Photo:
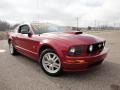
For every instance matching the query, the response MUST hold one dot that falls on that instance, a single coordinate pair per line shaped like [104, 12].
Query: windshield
[45, 28]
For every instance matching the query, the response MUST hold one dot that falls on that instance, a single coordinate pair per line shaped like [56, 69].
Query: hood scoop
[74, 32]
[78, 32]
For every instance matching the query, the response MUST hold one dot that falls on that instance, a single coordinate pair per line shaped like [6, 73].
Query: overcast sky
[63, 12]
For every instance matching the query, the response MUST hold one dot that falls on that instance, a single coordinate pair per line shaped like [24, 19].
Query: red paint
[61, 43]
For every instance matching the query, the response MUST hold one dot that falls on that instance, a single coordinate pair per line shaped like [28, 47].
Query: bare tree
[4, 26]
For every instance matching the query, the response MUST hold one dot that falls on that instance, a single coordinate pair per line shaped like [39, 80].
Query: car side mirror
[29, 34]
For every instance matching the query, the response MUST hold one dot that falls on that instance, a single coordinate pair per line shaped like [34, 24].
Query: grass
[3, 35]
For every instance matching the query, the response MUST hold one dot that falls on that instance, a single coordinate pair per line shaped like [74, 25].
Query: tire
[50, 62]
[12, 49]
[99, 63]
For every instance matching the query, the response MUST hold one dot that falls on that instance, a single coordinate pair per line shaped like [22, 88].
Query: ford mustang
[57, 48]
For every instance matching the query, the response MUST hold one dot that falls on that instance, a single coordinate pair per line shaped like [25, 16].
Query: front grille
[97, 47]
[78, 51]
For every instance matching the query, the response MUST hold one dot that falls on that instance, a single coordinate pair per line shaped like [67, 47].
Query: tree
[13, 26]
[89, 27]
[4, 26]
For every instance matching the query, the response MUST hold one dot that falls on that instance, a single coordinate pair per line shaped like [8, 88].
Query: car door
[28, 43]
[20, 39]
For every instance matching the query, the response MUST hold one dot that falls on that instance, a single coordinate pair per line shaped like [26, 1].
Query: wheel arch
[46, 46]
[9, 40]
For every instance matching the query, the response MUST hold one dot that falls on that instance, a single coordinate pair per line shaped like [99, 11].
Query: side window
[24, 29]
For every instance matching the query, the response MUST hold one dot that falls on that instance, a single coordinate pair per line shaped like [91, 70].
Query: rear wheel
[12, 49]
[50, 62]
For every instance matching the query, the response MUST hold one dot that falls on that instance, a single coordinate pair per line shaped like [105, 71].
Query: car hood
[73, 38]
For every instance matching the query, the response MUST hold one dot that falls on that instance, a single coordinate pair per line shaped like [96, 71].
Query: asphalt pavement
[21, 73]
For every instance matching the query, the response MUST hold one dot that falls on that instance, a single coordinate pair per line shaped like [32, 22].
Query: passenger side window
[24, 29]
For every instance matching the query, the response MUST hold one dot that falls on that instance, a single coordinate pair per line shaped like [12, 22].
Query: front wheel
[51, 63]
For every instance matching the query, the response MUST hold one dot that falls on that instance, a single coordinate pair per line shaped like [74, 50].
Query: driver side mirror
[29, 34]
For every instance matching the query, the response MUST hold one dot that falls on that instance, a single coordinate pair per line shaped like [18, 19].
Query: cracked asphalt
[21, 73]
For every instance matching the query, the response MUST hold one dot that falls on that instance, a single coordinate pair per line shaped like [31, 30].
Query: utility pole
[114, 26]
[95, 24]
[77, 19]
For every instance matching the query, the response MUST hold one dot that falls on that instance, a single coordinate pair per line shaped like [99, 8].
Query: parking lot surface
[21, 73]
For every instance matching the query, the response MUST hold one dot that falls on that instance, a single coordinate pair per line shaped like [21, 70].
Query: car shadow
[105, 76]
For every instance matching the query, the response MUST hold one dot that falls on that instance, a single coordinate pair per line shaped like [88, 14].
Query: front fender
[59, 48]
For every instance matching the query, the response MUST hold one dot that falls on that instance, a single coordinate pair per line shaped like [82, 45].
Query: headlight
[72, 50]
[91, 48]
[75, 50]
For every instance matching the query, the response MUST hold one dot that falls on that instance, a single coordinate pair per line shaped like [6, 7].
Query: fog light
[103, 44]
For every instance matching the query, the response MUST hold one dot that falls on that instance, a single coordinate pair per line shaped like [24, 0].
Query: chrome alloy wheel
[11, 48]
[51, 62]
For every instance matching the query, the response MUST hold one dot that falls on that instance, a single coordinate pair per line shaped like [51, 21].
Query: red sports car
[57, 49]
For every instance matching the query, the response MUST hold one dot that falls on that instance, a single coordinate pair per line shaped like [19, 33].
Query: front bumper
[83, 63]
